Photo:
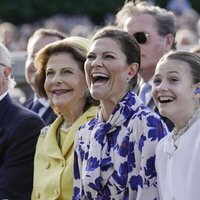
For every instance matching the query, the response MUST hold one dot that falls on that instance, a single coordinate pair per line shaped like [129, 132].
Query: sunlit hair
[195, 49]
[42, 32]
[5, 60]
[191, 59]
[128, 44]
[78, 52]
[165, 20]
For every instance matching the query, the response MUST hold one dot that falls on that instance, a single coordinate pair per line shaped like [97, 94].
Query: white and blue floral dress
[116, 159]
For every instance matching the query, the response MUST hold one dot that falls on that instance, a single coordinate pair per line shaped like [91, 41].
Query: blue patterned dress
[115, 160]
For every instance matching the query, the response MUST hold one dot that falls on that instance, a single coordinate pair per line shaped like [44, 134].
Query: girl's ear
[197, 91]
[133, 69]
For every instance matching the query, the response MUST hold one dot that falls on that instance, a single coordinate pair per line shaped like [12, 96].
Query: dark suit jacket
[19, 131]
[49, 116]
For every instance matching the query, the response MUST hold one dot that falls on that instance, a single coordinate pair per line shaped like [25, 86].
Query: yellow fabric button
[55, 192]
[37, 195]
[63, 164]
[47, 165]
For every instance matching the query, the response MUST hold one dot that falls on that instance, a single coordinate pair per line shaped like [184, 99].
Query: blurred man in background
[154, 30]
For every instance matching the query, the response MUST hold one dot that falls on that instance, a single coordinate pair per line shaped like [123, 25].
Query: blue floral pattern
[116, 159]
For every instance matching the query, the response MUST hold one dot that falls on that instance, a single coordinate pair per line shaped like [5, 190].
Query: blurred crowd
[15, 37]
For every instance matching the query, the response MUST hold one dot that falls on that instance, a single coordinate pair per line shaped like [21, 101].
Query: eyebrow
[173, 72]
[104, 52]
[169, 72]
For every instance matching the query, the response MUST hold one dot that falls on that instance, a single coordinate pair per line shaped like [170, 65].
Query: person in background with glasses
[154, 30]
[19, 131]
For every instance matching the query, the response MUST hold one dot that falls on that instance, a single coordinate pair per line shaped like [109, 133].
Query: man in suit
[19, 131]
[154, 30]
[37, 41]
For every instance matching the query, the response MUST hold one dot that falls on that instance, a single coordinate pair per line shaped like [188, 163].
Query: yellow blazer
[53, 167]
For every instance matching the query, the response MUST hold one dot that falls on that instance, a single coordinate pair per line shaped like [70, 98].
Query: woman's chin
[97, 95]
[59, 105]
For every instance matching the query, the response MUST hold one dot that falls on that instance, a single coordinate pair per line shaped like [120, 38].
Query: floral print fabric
[115, 160]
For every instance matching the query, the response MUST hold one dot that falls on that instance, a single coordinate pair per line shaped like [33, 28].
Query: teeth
[166, 98]
[94, 75]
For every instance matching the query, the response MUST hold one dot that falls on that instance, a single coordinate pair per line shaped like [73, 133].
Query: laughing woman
[115, 151]
[176, 92]
[60, 77]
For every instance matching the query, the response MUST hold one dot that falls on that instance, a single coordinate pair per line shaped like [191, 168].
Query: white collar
[3, 95]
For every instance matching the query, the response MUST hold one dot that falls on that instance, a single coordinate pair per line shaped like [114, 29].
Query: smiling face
[173, 91]
[65, 83]
[107, 70]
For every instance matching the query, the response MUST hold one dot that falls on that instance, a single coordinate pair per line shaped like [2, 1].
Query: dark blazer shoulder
[13, 114]
[19, 131]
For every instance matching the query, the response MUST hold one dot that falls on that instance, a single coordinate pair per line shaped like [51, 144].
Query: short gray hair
[5, 60]
[165, 20]
[5, 57]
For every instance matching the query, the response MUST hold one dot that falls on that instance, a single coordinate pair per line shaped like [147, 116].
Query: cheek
[153, 91]
[82, 85]
[46, 85]
[87, 79]
[86, 66]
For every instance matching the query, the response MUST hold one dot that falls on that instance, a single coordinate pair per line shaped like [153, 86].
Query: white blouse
[178, 165]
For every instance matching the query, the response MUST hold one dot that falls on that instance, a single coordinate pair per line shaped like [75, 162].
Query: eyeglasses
[2, 64]
[141, 37]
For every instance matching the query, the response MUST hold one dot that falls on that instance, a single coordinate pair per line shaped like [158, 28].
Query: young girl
[176, 90]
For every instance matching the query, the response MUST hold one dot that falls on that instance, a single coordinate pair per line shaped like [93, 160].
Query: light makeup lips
[165, 99]
[98, 77]
[61, 91]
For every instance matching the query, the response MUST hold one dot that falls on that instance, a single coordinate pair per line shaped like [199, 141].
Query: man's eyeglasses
[141, 37]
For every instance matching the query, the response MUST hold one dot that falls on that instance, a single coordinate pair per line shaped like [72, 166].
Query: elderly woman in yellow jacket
[60, 77]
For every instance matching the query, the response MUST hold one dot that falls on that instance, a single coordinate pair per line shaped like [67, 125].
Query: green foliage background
[21, 11]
